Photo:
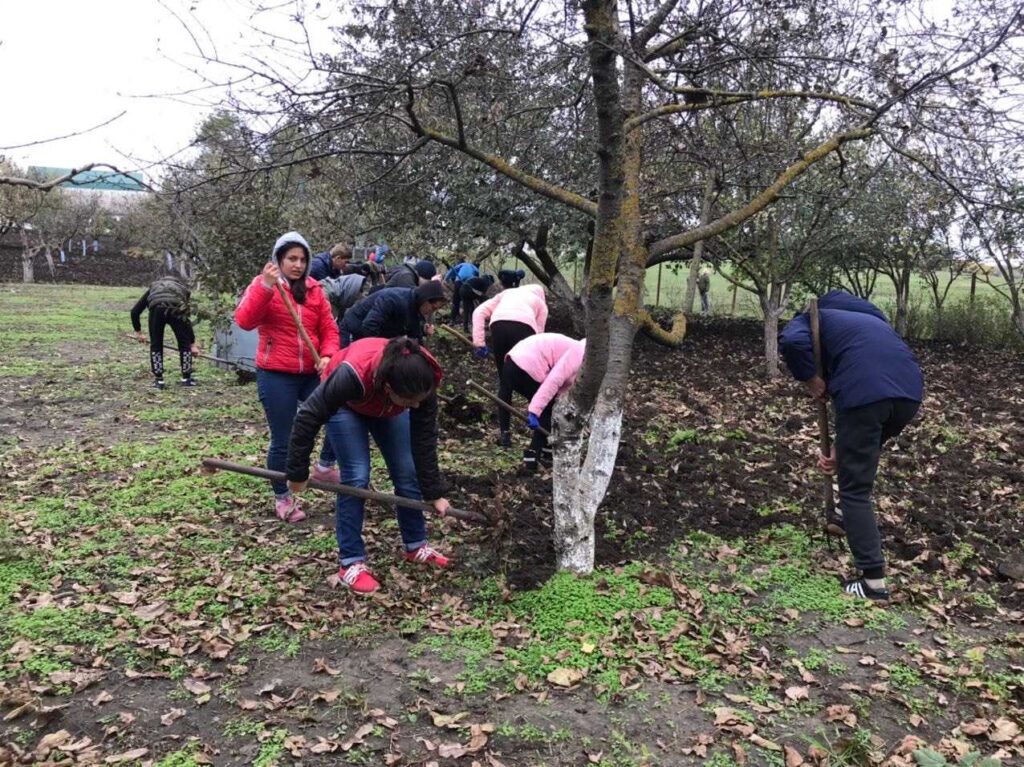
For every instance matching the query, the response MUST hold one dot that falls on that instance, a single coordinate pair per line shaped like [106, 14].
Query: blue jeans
[351, 432]
[280, 395]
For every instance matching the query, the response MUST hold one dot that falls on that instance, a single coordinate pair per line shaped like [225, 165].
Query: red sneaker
[358, 578]
[427, 555]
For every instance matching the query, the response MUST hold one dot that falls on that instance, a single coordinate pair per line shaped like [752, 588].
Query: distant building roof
[102, 180]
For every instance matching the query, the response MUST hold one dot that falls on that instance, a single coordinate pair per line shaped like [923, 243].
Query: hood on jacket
[291, 238]
[536, 289]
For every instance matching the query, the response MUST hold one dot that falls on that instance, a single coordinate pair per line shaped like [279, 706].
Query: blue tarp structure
[102, 180]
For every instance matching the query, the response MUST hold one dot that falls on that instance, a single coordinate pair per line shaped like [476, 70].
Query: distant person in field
[331, 263]
[384, 389]
[540, 368]
[168, 300]
[286, 373]
[876, 387]
[512, 315]
[704, 288]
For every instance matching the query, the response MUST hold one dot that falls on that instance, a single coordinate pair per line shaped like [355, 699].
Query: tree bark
[773, 305]
[584, 462]
[28, 274]
[698, 248]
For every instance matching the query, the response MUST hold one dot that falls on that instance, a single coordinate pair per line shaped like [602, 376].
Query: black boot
[505, 440]
[530, 460]
[546, 458]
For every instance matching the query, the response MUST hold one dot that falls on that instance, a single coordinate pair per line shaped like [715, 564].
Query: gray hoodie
[290, 238]
[343, 291]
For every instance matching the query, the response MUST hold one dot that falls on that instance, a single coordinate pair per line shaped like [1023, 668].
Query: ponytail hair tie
[406, 352]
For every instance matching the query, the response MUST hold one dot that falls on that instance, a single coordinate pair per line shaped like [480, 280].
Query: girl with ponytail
[385, 389]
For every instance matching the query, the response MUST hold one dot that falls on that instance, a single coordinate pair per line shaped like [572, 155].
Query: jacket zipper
[298, 337]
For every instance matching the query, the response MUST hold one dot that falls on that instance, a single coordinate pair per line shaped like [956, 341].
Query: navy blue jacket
[388, 313]
[320, 266]
[864, 359]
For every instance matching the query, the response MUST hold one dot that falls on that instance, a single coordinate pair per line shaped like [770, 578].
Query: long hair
[298, 287]
[405, 369]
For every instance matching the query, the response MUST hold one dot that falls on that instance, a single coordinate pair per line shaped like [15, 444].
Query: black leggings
[504, 335]
[183, 334]
[515, 379]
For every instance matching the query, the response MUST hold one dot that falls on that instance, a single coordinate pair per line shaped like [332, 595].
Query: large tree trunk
[902, 323]
[28, 273]
[1018, 313]
[773, 305]
[582, 477]
[584, 460]
[698, 248]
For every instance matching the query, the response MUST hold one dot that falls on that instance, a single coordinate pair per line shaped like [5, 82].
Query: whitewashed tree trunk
[28, 273]
[583, 469]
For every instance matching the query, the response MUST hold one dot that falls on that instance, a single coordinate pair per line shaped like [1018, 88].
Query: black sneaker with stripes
[860, 588]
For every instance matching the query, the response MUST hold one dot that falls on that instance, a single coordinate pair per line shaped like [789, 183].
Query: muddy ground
[152, 614]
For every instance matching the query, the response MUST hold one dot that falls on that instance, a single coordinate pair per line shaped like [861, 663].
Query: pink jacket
[525, 304]
[552, 360]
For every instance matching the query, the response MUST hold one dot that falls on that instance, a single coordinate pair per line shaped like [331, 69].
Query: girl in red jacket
[285, 370]
[384, 388]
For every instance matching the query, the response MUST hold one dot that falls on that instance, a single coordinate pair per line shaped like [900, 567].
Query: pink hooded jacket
[552, 360]
[525, 304]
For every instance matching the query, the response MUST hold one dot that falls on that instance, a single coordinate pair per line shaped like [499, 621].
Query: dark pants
[281, 394]
[504, 335]
[860, 434]
[183, 335]
[515, 379]
[456, 299]
[470, 300]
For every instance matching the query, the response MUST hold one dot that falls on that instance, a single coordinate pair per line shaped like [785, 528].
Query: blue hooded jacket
[320, 266]
[864, 359]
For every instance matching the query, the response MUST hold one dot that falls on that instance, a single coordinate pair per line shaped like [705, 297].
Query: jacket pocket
[266, 351]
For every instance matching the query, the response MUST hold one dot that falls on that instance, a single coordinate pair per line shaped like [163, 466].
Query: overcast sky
[71, 64]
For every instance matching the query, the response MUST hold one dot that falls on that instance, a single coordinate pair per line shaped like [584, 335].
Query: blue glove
[482, 352]
[532, 421]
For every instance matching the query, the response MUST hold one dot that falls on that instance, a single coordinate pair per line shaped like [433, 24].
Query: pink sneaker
[357, 577]
[427, 555]
[289, 509]
[326, 475]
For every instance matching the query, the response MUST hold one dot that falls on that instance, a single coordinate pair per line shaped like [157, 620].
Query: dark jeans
[351, 431]
[860, 434]
[470, 300]
[456, 299]
[515, 379]
[281, 394]
[183, 335]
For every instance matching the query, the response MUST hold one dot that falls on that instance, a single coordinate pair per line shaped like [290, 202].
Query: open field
[151, 614]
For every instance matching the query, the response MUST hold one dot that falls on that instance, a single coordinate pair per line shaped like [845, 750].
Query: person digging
[168, 301]
[876, 387]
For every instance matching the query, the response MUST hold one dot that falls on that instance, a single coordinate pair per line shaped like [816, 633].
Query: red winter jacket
[281, 347]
